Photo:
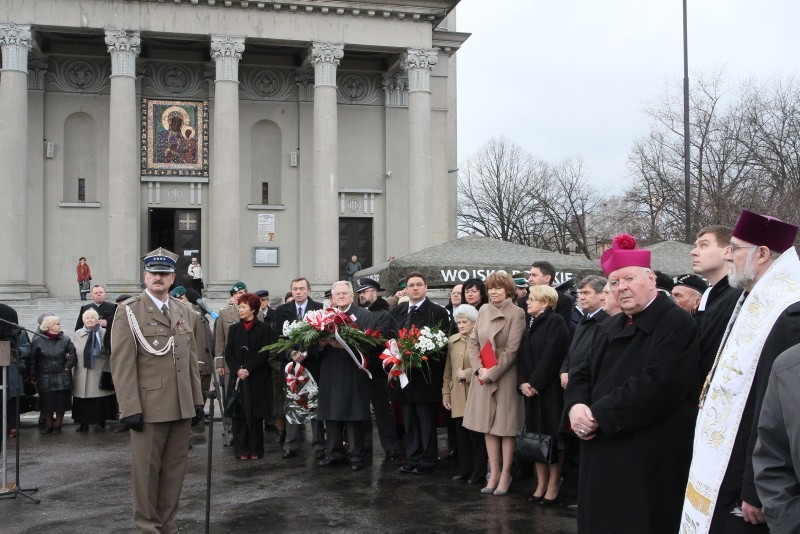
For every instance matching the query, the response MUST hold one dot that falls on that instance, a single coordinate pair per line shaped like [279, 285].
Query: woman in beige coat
[493, 406]
[457, 379]
[90, 404]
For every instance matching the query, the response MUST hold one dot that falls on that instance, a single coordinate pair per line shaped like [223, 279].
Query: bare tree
[508, 194]
[491, 192]
[744, 154]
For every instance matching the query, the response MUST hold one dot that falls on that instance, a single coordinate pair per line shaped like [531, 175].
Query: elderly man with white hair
[721, 494]
[632, 403]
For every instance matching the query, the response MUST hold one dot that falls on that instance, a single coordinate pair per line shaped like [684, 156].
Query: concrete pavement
[84, 487]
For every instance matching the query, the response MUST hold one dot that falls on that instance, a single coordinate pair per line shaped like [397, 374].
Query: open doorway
[179, 231]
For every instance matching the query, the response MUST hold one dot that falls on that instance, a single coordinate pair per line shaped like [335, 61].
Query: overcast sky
[571, 77]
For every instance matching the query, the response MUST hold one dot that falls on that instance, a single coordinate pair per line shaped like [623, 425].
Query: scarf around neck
[93, 346]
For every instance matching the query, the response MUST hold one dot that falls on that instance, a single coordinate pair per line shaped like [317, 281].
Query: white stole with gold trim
[721, 413]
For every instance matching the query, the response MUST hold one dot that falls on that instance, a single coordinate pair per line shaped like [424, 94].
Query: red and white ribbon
[393, 363]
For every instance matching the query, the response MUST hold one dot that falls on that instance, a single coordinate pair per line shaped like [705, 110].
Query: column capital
[124, 47]
[226, 51]
[418, 63]
[325, 57]
[15, 40]
[395, 88]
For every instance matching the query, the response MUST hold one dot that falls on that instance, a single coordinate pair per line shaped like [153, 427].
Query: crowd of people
[670, 401]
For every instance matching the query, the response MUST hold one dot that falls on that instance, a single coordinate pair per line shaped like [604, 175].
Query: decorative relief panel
[81, 76]
[357, 89]
[171, 80]
[267, 84]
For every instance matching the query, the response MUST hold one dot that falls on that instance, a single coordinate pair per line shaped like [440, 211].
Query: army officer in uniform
[158, 388]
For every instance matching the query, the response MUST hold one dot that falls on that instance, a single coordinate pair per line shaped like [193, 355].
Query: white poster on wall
[266, 227]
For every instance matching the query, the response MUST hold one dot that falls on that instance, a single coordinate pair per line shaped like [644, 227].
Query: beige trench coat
[86, 382]
[454, 390]
[495, 407]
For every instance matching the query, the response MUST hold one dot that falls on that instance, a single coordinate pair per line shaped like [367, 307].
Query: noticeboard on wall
[265, 257]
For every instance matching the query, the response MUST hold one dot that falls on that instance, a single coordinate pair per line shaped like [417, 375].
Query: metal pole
[686, 144]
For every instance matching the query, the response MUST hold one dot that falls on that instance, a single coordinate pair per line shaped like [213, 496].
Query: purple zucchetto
[623, 253]
[765, 231]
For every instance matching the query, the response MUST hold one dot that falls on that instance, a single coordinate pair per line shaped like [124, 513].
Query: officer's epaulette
[130, 300]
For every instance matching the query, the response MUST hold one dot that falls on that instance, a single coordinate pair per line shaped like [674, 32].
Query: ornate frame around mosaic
[155, 121]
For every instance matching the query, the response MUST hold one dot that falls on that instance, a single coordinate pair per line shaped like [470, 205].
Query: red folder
[488, 357]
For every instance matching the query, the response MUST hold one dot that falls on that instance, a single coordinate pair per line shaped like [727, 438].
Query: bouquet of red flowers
[412, 348]
[330, 323]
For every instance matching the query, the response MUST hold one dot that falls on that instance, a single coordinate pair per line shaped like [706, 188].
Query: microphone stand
[4, 491]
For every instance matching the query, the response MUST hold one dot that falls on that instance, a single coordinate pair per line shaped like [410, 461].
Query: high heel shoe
[488, 490]
[500, 492]
[549, 502]
[536, 498]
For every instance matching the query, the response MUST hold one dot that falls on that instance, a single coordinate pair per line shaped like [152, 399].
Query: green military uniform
[228, 316]
[164, 389]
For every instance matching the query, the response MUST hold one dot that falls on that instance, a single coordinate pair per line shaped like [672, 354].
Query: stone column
[124, 209]
[418, 63]
[15, 41]
[325, 57]
[224, 201]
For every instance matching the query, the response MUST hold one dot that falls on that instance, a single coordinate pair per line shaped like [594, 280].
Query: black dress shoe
[392, 454]
[320, 454]
[356, 467]
[288, 454]
[327, 462]
[407, 469]
[451, 455]
[82, 428]
[460, 477]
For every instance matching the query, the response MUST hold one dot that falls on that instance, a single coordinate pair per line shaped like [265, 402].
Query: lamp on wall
[49, 149]
[293, 158]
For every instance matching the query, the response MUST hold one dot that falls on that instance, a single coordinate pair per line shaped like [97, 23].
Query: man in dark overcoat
[155, 374]
[632, 404]
[294, 311]
[343, 386]
[423, 394]
[369, 298]
[719, 300]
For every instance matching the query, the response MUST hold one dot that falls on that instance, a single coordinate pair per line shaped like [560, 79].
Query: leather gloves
[199, 416]
[134, 422]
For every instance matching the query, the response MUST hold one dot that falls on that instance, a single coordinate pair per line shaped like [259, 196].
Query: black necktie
[411, 310]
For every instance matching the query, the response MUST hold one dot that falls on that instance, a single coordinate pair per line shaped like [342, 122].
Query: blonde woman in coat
[90, 404]
[494, 407]
[456, 385]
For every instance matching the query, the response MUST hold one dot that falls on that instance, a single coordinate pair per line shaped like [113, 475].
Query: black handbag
[535, 447]
[106, 382]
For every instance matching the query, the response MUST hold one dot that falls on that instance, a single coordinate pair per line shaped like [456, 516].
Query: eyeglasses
[628, 280]
[734, 248]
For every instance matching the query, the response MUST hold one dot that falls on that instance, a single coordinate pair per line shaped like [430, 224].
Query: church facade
[268, 139]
